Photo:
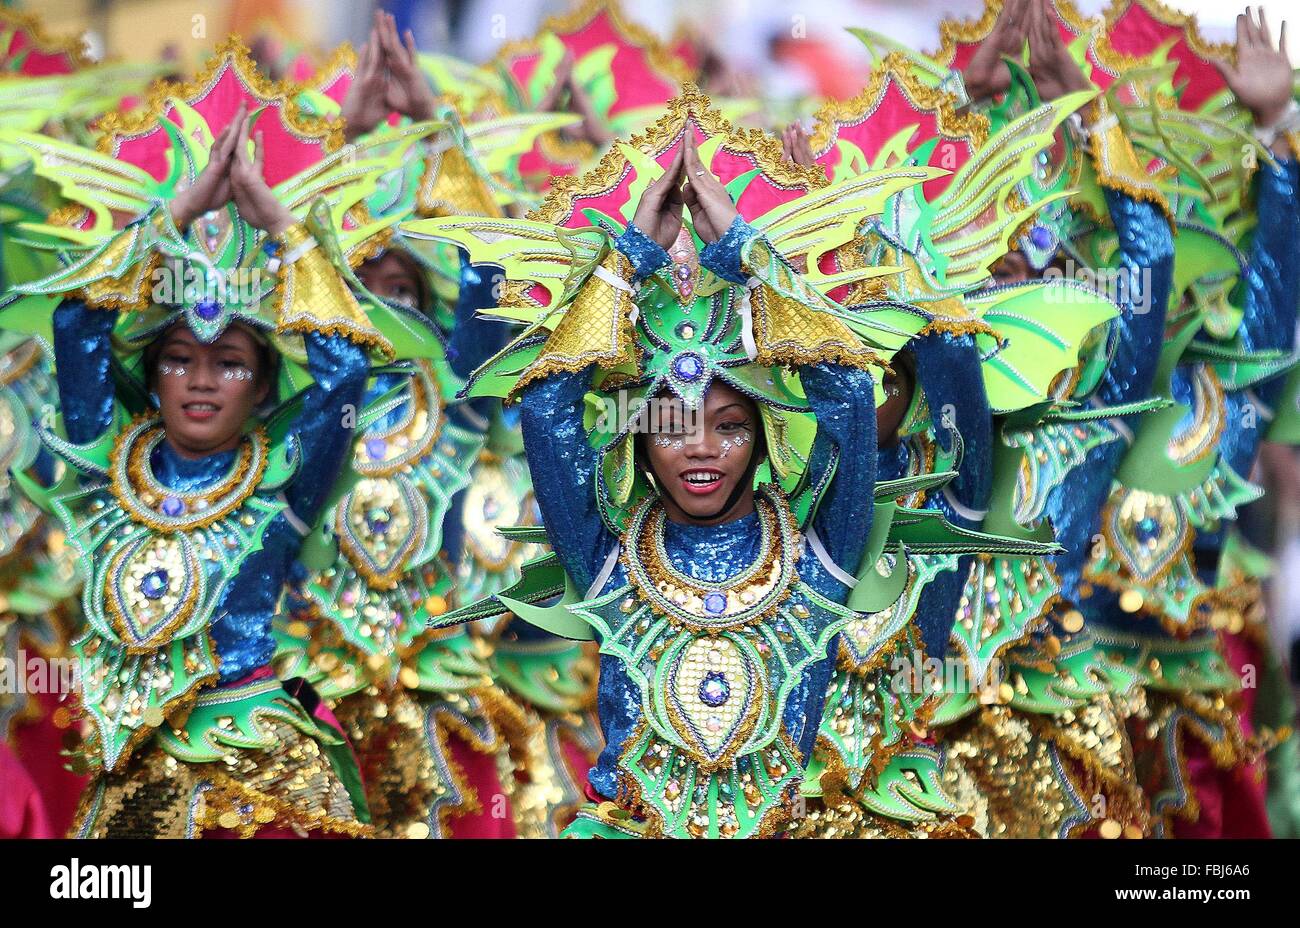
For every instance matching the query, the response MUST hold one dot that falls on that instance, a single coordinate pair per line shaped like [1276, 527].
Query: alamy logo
[103, 881]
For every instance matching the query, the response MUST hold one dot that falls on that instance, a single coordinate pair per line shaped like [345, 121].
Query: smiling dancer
[202, 426]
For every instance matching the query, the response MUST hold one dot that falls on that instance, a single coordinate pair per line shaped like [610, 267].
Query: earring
[155, 399]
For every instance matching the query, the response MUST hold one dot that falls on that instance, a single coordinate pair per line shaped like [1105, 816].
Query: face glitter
[739, 440]
[238, 373]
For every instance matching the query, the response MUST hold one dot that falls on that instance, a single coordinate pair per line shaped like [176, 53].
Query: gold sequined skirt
[407, 742]
[1029, 775]
[552, 788]
[292, 788]
[845, 818]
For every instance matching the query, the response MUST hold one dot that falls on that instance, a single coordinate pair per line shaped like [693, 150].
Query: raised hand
[659, 213]
[986, 74]
[1262, 78]
[795, 145]
[592, 128]
[257, 204]
[1054, 71]
[211, 189]
[553, 100]
[712, 211]
[365, 107]
[408, 91]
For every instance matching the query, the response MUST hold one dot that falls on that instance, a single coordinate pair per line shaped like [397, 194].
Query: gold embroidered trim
[449, 186]
[138, 440]
[968, 126]
[33, 26]
[1224, 51]
[131, 290]
[658, 56]
[311, 284]
[1116, 163]
[690, 105]
[789, 332]
[118, 127]
[596, 328]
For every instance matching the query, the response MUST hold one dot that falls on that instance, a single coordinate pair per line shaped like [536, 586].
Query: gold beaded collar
[149, 502]
[749, 597]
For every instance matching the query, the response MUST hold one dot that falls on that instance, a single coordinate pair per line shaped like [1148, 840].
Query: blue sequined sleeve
[646, 255]
[844, 404]
[1272, 284]
[82, 356]
[1273, 269]
[723, 256]
[325, 426]
[561, 460]
[474, 339]
[1146, 269]
[948, 370]
[563, 466]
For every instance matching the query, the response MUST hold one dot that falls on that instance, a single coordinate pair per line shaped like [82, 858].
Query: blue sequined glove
[646, 255]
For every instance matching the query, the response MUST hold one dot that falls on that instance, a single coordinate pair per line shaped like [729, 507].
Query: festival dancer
[1155, 583]
[984, 351]
[47, 83]
[1056, 718]
[188, 414]
[446, 751]
[714, 608]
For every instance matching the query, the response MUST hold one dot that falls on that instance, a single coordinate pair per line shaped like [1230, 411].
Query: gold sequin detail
[291, 786]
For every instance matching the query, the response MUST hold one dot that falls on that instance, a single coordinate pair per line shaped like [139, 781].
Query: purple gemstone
[714, 689]
[207, 309]
[1040, 237]
[715, 603]
[173, 506]
[1147, 530]
[154, 584]
[687, 288]
[683, 271]
[688, 367]
[376, 449]
[377, 521]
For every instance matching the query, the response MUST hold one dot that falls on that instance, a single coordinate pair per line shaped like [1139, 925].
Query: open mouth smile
[200, 412]
[701, 481]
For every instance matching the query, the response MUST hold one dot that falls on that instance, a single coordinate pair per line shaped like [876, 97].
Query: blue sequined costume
[1146, 261]
[242, 628]
[563, 466]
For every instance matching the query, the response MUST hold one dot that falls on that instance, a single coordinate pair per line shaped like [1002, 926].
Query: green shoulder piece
[545, 674]
[238, 718]
[1190, 665]
[1285, 427]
